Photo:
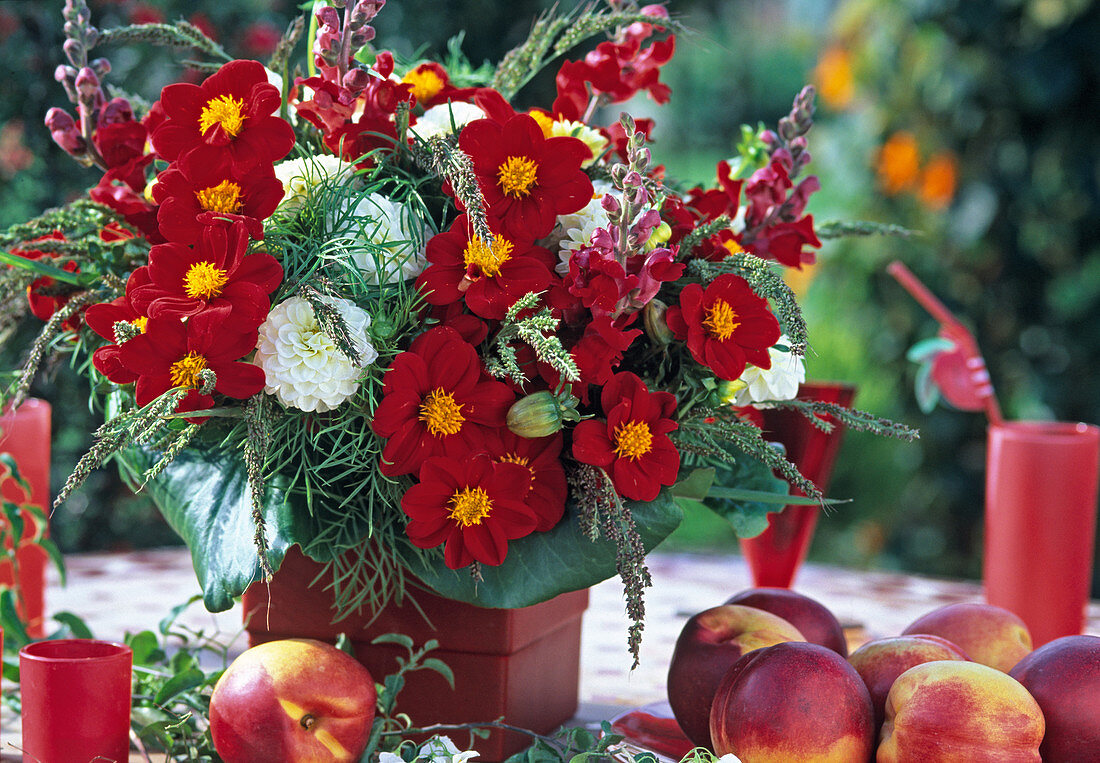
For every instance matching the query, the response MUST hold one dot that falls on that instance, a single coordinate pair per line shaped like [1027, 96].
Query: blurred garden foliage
[973, 123]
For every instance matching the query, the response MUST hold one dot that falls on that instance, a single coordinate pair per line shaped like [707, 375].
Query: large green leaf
[543, 565]
[749, 518]
[205, 498]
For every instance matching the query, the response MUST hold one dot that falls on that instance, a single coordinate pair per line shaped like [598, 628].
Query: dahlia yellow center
[733, 247]
[224, 110]
[517, 175]
[442, 415]
[470, 505]
[485, 259]
[204, 281]
[185, 371]
[513, 458]
[721, 320]
[633, 440]
[141, 323]
[223, 197]
[426, 84]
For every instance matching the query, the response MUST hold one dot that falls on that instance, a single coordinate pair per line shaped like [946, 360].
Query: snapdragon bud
[65, 133]
[356, 79]
[74, 51]
[101, 66]
[653, 318]
[327, 16]
[361, 37]
[87, 84]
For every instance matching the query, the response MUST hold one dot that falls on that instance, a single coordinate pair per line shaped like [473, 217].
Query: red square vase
[519, 665]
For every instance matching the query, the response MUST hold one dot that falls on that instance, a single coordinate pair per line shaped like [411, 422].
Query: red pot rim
[1045, 431]
[71, 650]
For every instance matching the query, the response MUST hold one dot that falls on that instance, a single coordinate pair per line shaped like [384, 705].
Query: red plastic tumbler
[1040, 522]
[76, 701]
[25, 434]
[775, 555]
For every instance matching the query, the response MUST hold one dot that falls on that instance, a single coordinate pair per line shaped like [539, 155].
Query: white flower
[300, 176]
[729, 757]
[386, 237]
[436, 121]
[780, 382]
[574, 230]
[304, 367]
[440, 749]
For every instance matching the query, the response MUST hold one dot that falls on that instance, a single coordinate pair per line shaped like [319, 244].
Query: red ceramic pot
[519, 664]
[25, 434]
[775, 555]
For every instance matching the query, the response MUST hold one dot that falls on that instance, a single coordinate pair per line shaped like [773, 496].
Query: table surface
[120, 593]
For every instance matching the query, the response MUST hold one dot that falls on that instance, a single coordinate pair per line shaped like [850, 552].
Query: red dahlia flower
[436, 401]
[173, 353]
[189, 188]
[228, 118]
[632, 445]
[541, 456]
[45, 295]
[725, 326]
[489, 278]
[102, 318]
[526, 178]
[216, 275]
[471, 505]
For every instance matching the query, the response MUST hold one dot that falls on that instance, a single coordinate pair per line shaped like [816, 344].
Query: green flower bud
[653, 318]
[536, 415]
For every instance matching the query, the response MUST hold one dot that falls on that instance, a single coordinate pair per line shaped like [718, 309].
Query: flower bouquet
[379, 310]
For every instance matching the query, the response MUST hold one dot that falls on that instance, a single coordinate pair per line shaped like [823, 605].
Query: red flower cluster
[190, 315]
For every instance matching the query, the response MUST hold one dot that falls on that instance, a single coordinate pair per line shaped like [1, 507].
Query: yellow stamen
[426, 84]
[185, 371]
[224, 110]
[441, 413]
[517, 175]
[721, 320]
[141, 323]
[470, 505]
[486, 259]
[633, 440]
[223, 197]
[733, 247]
[513, 458]
[204, 281]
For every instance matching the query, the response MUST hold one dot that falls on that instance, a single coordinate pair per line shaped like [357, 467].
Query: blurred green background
[973, 123]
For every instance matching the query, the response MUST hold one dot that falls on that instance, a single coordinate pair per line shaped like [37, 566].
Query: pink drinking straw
[977, 380]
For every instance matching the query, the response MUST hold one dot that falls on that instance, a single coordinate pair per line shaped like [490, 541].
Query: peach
[1064, 677]
[812, 618]
[881, 661]
[709, 644]
[293, 699]
[793, 701]
[960, 712]
[990, 635]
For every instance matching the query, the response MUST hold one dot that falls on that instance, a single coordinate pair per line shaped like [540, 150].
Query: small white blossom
[300, 176]
[304, 367]
[388, 240]
[729, 757]
[438, 749]
[436, 121]
[780, 382]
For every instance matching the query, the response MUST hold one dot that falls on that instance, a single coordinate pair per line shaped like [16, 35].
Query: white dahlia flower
[575, 229]
[437, 121]
[300, 176]
[304, 367]
[388, 239]
[780, 382]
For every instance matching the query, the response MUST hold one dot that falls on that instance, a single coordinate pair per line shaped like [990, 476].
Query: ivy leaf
[205, 498]
[540, 566]
[747, 507]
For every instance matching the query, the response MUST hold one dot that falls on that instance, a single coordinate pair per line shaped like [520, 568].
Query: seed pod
[536, 415]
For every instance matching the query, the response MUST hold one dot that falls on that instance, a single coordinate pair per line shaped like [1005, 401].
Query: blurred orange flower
[833, 75]
[898, 165]
[937, 183]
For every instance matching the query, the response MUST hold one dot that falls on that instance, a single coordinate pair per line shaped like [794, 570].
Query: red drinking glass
[76, 701]
[775, 555]
[25, 434]
[1040, 523]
